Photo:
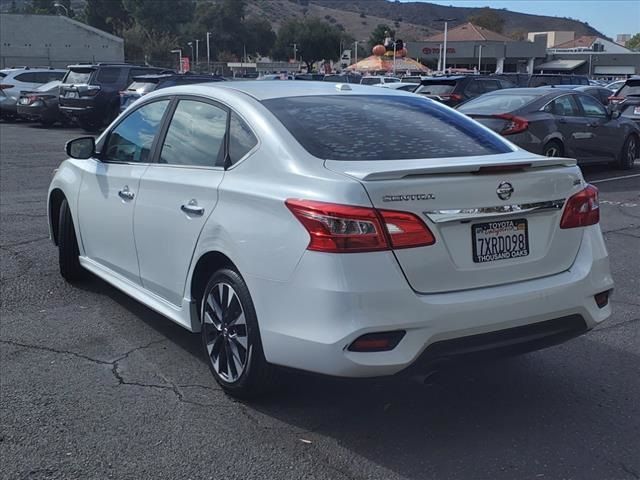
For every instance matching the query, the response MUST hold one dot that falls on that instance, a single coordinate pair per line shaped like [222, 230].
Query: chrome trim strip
[466, 214]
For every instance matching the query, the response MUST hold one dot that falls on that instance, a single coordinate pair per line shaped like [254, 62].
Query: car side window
[591, 106]
[474, 88]
[241, 138]
[108, 75]
[131, 140]
[564, 106]
[29, 77]
[490, 85]
[196, 135]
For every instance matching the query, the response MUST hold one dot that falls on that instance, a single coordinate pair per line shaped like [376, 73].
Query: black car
[454, 90]
[144, 84]
[41, 104]
[558, 122]
[318, 77]
[627, 99]
[548, 79]
[90, 94]
[342, 78]
[601, 93]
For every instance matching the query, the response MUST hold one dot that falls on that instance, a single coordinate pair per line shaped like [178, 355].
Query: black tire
[223, 335]
[553, 148]
[88, 125]
[68, 253]
[630, 151]
[47, 122]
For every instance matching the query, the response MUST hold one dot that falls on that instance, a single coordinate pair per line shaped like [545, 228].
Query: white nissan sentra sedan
[332, 228]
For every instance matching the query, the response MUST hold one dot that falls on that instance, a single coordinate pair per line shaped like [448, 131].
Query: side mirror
[81, 148]
[615, 114]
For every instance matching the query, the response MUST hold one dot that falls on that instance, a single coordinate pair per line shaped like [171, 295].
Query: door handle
[126, 194]
[192, 208]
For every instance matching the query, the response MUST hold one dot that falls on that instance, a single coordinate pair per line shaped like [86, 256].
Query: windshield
[436, 88]
[142, 87]
[492, 104]
[382, 127]
[77, 76]
[630, 88]
[49, 86]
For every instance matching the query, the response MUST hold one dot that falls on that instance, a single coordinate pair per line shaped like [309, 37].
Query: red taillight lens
[515, 125]
[613, 99]
[345, 228]
[582, 209]
[4, 86]
[455, 97]
[406, 230]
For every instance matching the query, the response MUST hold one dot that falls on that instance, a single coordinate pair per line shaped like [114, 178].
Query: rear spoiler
[397, 169]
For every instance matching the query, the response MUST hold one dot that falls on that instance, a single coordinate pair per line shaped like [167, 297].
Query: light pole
[197, 53]
[480, 59]
[208, 53]
[59, 5]
[444, 54]
[179, 52]
[192, 51]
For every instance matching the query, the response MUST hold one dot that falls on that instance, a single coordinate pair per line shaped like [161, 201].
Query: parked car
[339, 231]
[601, 93]
[144, 84]
[342, 78]
[42, 104]
[454, 90]
[277, 76]
[318, 77]
[90, 94]
[548, 79]
[518, 79]
[404, 86]
[627, 99]
[377, 79]
[14, 80]
[556, 123]
[413, 78]
[615, 86]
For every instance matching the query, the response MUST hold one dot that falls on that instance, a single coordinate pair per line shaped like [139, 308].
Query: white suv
[378, 80]
[293, 223]
[13, 81]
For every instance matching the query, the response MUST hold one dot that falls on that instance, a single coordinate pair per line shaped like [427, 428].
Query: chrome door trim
[467, 214]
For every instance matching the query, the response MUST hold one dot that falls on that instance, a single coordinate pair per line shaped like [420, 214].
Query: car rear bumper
[8, 104]
[308, 322]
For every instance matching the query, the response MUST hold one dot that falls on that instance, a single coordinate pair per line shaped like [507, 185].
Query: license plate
[636, 110]
[500, 240]
[71, 95]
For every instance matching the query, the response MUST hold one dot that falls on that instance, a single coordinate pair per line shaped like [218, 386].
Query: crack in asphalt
[25, 242]
[630, 470]
[115, 365]
[617, 325]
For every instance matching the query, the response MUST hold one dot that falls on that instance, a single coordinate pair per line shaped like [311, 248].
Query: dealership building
[472, 47]
[54, 41]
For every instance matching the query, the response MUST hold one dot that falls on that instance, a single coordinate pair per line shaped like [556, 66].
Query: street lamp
[179, 52]
[208, 53]
[444, 54]
[192, 52]
[59, 5]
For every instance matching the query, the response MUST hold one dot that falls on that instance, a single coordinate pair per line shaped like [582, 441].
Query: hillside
[412, 20]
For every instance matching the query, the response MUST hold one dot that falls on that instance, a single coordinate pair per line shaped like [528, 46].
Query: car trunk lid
[469, 201]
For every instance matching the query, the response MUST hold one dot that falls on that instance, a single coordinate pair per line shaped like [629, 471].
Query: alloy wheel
[631, 150]
[225, 330]
[552, 151]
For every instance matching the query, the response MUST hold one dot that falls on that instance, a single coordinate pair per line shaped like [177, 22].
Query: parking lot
[96, 386]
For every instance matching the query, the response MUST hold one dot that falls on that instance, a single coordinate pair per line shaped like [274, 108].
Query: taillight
[515, 125]
[32, 98]
[613, 99]
[582, 209]
[344, 228]
[4, 86]
[91, 91]
[456, 97]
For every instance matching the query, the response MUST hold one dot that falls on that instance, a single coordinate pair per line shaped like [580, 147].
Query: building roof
[585, 41]
[561, 65]
[376, 63]
[468, 32]
[52, 23]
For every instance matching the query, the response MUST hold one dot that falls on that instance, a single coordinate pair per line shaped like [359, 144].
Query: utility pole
[480, 59]
[356, 50]
[295, 52]
[197, 55]
[444, 53]
[208, 53]
[394, 56]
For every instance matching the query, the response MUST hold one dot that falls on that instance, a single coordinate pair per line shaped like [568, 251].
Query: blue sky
[608, 16]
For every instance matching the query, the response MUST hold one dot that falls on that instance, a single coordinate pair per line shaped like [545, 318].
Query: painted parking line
[615, 178]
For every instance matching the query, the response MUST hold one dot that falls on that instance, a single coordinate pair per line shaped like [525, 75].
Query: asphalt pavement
[94, 386]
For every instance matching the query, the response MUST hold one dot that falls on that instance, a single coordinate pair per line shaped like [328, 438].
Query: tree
[43, 7]
[378, 35]
[142, 46]
[489, 19]
[314, 38]
[634, 42]
[160, 15]
[519, 34]
[259, 37]
[107, 15]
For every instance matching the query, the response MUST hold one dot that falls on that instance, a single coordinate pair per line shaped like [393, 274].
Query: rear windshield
[436, 88]
[493, 104]
[77, 76]
[630, 88]
[142, 87]
[48, 86]
[382, 127]
[370, 81]
[537, 81]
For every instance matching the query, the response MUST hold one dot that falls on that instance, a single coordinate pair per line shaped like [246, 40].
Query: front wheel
[629, 153]
[68, 253]
[553, 149]
[231, 338]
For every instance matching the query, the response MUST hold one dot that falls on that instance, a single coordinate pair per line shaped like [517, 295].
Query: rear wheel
[629, 153]
[230, 336]
[553, 148]
[68, 253]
